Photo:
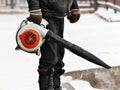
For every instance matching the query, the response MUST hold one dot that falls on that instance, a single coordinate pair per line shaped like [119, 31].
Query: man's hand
[74, 15]
[35, 16]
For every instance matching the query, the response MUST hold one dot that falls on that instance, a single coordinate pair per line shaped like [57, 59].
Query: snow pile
[70, 84]
[82, 85]
[98, 77]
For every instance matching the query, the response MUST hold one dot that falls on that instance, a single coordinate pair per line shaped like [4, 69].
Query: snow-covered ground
[96, 36]
[109, 14]
[18, 69]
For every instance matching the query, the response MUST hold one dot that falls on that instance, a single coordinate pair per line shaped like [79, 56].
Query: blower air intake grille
[30, 38]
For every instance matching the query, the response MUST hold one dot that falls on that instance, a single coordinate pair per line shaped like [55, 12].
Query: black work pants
[51, 52]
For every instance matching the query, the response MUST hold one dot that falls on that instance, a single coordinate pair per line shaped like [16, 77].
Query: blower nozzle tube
[77, 50]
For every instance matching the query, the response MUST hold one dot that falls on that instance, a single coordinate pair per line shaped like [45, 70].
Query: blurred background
[83, 4]
[13, 4]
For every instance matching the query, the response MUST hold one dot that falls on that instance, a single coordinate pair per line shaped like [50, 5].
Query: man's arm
[74, 5]
[33, 4]
[35, 11]
[74, 12]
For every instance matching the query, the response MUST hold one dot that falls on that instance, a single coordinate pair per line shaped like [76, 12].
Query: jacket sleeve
[74, 5]
[33, 4]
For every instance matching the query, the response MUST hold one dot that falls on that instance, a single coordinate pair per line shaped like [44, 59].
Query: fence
[114, 4]
[88, 4]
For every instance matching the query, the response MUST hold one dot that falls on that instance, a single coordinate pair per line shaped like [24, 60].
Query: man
[54, 11]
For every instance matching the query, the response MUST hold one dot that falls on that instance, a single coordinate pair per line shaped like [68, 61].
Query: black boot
[57, 80]
[45, 79]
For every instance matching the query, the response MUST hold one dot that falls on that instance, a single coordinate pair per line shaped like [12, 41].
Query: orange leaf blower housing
[30, 36]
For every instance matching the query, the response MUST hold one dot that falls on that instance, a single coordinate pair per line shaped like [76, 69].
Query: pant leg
[58, 71]
[51, 52]
[51, 56]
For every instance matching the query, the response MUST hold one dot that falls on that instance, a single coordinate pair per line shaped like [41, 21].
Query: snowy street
[18, 69]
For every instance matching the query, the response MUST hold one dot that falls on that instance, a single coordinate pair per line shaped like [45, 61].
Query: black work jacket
[58, 8]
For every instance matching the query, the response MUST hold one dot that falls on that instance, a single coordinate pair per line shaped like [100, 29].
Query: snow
[78, 84]
[96, 36]
[109, 14]
[81, 85]
[18, 69]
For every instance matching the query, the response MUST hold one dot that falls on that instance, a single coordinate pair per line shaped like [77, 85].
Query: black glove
[74, 16]
[35, 16]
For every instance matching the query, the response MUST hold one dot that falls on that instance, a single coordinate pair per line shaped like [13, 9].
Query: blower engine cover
[30, 36]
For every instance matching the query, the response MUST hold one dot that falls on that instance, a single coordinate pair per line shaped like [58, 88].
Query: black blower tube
[76, 50]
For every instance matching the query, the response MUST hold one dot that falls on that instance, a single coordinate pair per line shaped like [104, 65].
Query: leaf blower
[30, 37]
